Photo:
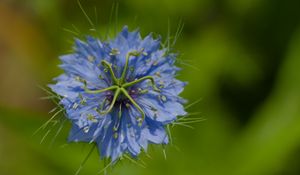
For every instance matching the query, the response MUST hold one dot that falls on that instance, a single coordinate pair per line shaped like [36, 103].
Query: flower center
[120, 85]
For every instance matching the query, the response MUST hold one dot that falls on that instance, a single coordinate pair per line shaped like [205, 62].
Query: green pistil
[100, 90]
[108, 66]
[134, 103]
[140, 80]
[117, 93]
[119, 86]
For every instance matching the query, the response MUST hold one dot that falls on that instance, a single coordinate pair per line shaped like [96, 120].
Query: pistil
[119, 86]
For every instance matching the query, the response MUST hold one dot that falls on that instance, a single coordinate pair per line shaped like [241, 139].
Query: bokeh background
[241, 59]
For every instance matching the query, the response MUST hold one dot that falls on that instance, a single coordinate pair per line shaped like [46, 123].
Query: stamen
[158, 74]
[91, 58]
[100, 108]
[86, 129]
[75, 105]
[82, 99]
[114, 51]
[163, 98]
[131, 68]
[145, 53]
[155, 63]
[115, 135]
[161, 84]
[142, 91]
[117, 124]
[92, 118]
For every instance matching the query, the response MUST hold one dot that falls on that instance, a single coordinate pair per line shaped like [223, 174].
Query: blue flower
[120, 94]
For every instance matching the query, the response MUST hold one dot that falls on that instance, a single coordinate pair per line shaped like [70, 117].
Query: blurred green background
[240, 57]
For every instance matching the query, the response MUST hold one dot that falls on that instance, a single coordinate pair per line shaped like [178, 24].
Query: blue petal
[84, 67]
[81, 134]
[165, 112]
[155, 133]
[66, 87]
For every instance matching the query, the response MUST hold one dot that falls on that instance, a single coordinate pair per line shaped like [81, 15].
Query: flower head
[120, 94]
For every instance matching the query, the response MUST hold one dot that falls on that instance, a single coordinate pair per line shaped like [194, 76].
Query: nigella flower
[120, 94]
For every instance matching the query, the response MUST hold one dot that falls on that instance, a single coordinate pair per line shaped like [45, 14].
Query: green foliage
[241, 58]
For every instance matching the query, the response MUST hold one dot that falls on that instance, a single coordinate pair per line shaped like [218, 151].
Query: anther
[75, 105]
[92, 118]
[142, 91]
[163, 98]
[77, 78]
[157, 74]
[86, 129]
[115, 135]
[131, 68]
[153, 109]
[132, 91]
[155, 63]
[161, 84]
[83, 100]
[114, 51]
[140, 121]
[91, 58]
